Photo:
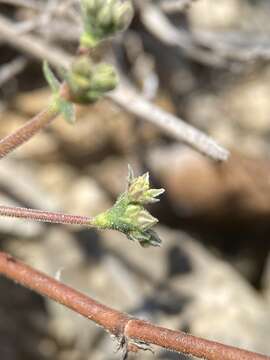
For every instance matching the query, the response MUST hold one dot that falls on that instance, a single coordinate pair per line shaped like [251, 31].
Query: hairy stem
[131, 330]
[24, 133]
[45, 216]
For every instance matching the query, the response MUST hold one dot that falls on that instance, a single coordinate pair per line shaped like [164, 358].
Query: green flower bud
[128, 214]
[146, 239]
[91, 6]
[137, 216]
[88, 81]
[139, 184]
[122, 15]
[83, 66]
[103, 18]
[145, 220]
[104, 78]
[131, 213]
[139, 190]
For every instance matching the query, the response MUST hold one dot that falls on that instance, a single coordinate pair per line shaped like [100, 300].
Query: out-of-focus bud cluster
[88, 81]
[128, 214]
[103, 18]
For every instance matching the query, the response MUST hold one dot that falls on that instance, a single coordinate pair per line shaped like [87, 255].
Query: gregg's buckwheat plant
[84, 83]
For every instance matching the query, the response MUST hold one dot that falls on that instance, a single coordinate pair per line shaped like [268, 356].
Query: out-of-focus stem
[24, 133]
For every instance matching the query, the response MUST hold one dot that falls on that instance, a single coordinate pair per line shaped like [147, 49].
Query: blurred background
[206, 61]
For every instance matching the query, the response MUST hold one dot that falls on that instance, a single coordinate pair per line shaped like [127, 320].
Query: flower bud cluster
[103, 18]
[128, 214]
[88, 81]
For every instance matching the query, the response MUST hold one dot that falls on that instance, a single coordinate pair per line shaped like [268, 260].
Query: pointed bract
[139, 190]
[50, 77]
[146, 220]
[152, 194]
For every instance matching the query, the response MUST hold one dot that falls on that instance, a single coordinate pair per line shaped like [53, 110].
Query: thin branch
[32, 45]
[157, 24]
[45, 216]
[24, 133]
[11, 69]
[31, 4]
[237, 46]
[129, 330]
[173, 6]
[174, 126]
[124, 96]
[210, 48]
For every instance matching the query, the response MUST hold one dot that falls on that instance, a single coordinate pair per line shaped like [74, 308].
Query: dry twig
[158, 25]
[31, 45]
[175, 5]
[23, 134]
[31, 4]
[129, 330]
[209, 48]
[10, 70]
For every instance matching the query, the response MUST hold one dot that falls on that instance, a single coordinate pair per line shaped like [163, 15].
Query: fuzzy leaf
[50, 77]
[68, 110]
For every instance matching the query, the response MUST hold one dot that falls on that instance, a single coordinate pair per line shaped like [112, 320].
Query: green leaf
[67, 109]
[50, 77]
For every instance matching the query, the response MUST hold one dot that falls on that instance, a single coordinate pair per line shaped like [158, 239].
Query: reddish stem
[45, 216]
[120, 324]
[24, 133]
